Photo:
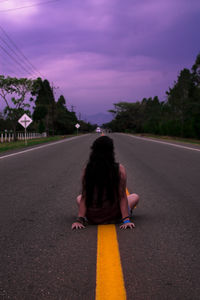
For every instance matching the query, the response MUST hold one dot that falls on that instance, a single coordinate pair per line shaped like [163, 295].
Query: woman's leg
[133, 200]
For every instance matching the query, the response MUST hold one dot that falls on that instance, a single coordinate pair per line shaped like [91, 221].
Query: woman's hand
[127, 225]
[77, 225]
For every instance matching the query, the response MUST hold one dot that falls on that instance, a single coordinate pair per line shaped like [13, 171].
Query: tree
[15, 105]
[65, 120]
[44, 110]
[184, 103]
[196, 95]
[179, 115]
[128, 117]
[86, 126]
[151, 115]
[196, 70]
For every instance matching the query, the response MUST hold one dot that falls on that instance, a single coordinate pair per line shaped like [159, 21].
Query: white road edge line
[39, 147]
[166, 143]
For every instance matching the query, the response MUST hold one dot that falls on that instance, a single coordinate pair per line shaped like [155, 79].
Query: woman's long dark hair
[101, 174]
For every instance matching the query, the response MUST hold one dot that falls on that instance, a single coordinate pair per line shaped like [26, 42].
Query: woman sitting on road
[103, 199]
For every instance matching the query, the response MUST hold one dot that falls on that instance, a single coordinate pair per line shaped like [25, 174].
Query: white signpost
[25, 121]
[77, 127]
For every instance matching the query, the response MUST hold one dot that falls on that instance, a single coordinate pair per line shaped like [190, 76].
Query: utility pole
[54, 87]
[53, 108]
[72, 108]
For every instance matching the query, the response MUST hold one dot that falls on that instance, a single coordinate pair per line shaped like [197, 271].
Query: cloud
[99, 51]
[88, 76]
[18, 12]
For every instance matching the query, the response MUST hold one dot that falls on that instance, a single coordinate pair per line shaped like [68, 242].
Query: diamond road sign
[25, 121]
[77, 125]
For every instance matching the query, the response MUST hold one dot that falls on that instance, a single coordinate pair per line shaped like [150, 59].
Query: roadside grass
[170, 138]
[21, 144]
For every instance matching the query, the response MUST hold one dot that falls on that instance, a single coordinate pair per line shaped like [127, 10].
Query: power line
[20, 52]
[27, 6]
[8, 67]
[26, 62]
[15, 60]
[23, 59]
[12, 72]
[16, 54]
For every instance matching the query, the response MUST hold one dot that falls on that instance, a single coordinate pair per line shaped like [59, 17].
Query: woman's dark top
[106, 214]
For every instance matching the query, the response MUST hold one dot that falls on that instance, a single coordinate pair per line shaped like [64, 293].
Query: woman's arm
[82, 207]
[124, 200]
[82, 204]
[80, 221]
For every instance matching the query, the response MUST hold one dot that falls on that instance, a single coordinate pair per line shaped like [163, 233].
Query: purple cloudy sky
[100, 52]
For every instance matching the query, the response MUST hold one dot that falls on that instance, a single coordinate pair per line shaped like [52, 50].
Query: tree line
[178, 115]
[36, 99]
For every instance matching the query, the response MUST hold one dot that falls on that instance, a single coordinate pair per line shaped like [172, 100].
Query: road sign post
[25, 121]
[77, 127]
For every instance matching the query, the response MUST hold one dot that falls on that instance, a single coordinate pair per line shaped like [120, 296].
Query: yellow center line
[109, 277]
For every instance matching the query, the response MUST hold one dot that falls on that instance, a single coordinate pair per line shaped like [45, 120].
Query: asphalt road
[41, 258]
